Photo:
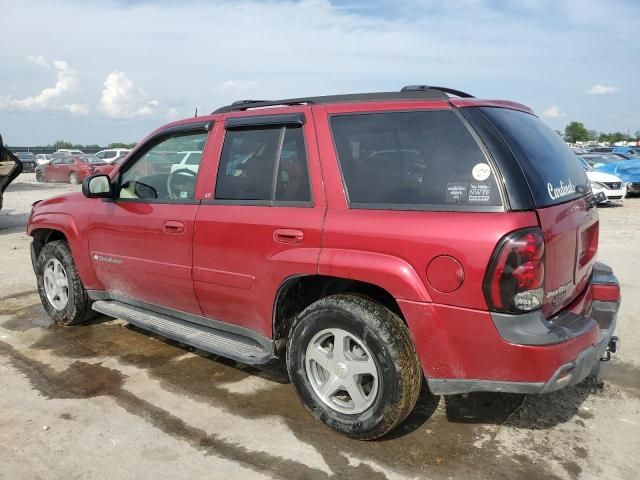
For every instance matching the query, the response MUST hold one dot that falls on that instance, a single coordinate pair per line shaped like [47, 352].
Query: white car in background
[110, 155]
[70, 151]
[613, 187]
[43, 158]
[190, 161]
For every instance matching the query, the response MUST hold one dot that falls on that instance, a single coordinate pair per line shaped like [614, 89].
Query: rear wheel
[40, 176]
[73, 178]
[61, 291]
[354, 366]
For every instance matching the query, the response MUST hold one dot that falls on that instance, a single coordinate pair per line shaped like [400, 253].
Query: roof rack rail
[451, 91]
[415, 92]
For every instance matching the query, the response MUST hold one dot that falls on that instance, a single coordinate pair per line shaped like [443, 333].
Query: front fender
[66, 224]
[393, 274]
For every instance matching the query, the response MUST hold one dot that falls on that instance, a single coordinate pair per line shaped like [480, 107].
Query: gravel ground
[109, 401]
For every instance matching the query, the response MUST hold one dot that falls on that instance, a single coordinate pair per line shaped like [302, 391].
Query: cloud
[553, 112]
[599, 89]
[38, 60]
[238, 85]
[50, 98]
[122, 99]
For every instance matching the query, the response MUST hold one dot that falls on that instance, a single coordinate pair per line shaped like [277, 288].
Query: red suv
[374, 240]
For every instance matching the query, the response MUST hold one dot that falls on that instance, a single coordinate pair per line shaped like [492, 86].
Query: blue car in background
[627, 170]
[627, 151]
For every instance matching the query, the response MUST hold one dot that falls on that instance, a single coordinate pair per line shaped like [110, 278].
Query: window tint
[412, 160]
[293, 177]
[110, 154]
[548, 164]
[158, 173]
[249, 159]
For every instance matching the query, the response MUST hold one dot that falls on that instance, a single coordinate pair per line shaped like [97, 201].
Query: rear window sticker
[481, 171]
[479, 192]
[456, 192]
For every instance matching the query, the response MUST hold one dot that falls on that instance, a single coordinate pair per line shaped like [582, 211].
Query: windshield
[585, 164]
[603, 159]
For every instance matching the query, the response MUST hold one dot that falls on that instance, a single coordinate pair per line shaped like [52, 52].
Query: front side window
[264, 164]
[159, 173]
[412, 160]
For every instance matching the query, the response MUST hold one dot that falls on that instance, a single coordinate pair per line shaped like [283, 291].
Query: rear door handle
[288, 235]
[173, 226]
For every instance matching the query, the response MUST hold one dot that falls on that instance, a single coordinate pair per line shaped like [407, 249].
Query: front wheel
[61, 291]
[40, 177]
[73, 178]
[354, 366]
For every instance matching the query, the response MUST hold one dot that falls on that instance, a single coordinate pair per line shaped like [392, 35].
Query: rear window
[413, 160]
[552, 171]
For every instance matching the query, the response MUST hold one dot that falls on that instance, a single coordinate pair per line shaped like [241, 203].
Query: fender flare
[66, 224]
[393, 274]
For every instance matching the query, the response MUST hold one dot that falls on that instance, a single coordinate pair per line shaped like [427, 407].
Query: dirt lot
[109, 401]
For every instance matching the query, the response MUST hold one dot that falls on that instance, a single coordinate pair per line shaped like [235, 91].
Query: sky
[108, 71]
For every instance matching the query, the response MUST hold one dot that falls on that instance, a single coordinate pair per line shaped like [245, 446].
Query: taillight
[515, 280]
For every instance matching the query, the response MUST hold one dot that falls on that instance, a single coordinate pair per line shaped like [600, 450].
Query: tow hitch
[612, 347]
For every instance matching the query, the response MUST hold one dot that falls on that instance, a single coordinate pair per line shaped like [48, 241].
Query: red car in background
[72, 169]
[150, 164]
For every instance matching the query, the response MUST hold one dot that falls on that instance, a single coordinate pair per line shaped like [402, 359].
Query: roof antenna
[196, 112]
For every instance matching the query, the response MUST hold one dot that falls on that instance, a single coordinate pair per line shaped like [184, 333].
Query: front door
[263, 224]
[141, 243]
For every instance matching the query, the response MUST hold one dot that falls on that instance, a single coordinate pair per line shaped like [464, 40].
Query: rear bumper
[522, 353]
[567, 374]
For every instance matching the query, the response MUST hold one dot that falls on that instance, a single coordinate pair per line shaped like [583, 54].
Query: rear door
[561, 197]
[263, 222]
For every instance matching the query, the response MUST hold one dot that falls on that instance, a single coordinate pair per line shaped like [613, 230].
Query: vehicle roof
[411, 92]
[421, 94]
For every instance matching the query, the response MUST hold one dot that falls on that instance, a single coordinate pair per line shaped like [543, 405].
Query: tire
[373, 334]
[40, 177]
[76, 309]
[73, 178]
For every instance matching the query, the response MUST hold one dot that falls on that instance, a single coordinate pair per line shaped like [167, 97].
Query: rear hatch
[561, 197]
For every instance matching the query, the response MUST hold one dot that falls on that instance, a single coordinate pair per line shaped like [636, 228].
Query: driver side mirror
[97, 186]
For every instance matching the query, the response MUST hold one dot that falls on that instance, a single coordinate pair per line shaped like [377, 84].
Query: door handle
[173, 226]
[288, 235]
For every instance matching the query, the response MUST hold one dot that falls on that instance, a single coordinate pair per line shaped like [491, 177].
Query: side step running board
[226, 344]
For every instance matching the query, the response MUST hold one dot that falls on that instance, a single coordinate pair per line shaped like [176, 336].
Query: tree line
[77, 146]
[577, 132]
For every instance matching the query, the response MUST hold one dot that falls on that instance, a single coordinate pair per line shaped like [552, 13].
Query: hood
[597, 176]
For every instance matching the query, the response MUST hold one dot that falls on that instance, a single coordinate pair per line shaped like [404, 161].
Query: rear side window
[412, 160]
[264, 164]
[551, 169]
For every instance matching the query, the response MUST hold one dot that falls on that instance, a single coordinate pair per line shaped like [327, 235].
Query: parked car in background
[627, 170]
[112, 154]
[190, 161]
[613, 188]
[43, 158]
[632, 151]
[28, 161]
[109, 168]
[10, 168]
[72, 169]
[69, 151]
